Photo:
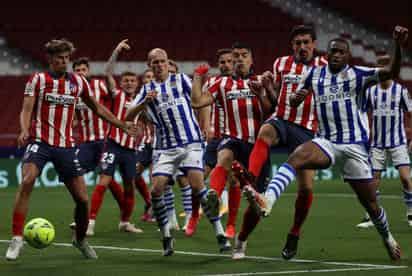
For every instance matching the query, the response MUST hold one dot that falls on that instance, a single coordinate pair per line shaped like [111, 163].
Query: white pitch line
[304, 271]
[157, 251]
[344, 195]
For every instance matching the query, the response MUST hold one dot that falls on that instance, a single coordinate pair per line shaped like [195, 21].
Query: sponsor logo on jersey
[61, 99]
[238, 94]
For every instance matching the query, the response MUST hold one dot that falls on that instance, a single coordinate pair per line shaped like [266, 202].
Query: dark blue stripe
[185, 123]
[375, 131]
[289, 168]
[338, 122]
[275, 191]
[309, 79]
[364, 133]
[194, 121]
[383, 118]
[351, 124]
[324, 117]
[285, 176]
[321, 87]
[174, 87]
[279, 182]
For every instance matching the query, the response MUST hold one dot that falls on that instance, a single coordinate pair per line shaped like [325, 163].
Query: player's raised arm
[200, 99]
[400, 36]
[109, 69]
[259, 90]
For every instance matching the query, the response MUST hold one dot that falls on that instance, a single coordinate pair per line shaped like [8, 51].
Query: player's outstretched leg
[21, 205]
[302, 206]
[367, 197]
[77, 189]
[404, 173]
[160, 213]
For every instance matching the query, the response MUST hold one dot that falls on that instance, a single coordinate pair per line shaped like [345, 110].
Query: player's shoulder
[281, 61]
[320, 61]
[362, 69]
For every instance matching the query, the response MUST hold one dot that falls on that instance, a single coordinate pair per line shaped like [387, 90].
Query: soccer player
[147, 76]
[388, 102]
[93, 130]
[120, 149]
[339, 94]
[244, 112]
[289, 127]
[212, 122]
[144, 156]
[167, 101]
[50, 97]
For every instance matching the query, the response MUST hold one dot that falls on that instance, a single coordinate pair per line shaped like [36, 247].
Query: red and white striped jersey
[55, 101]
[121, 102]
[148, 134]
[288, 74]
[242, 110]
[217, 114]
[92, 127]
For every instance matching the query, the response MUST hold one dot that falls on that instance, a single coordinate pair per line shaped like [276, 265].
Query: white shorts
[399, 156]
[354, 158]
[169, 162]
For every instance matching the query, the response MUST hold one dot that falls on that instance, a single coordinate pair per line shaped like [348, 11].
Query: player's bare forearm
[109, 69]
[26, 113]
[134, 111]
[392, 71]
[296, 99]
[203, 115]
[102, 111]
[267, 106]
[400, 37]
[199, 98]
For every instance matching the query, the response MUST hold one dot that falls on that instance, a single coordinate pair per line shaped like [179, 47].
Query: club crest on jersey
[73, 88]
[334, 88]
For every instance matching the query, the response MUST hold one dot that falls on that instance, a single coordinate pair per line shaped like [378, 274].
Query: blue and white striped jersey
[388, 106]
[171, 112]
[340, 101]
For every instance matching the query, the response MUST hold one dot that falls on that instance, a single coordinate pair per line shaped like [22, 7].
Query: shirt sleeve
[407, 99]
[30, 89]
[85, 87]
[186, 83]
[140, 97]
[306, 81]
[277, 76]
[367, 75]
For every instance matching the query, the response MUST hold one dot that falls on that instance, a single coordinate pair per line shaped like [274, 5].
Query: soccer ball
[39, 233]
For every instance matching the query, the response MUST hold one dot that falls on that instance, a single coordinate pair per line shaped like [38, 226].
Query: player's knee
[157, 191]
[268, 134]
[81, 200]
[298, 158]
[406, 182]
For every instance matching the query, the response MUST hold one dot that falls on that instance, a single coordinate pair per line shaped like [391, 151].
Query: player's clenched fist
[400, 34]
[151, 95]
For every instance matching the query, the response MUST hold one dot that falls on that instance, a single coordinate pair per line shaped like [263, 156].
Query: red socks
[18, 223]
[96, 200]
[258, 157]
[128, 204]
[117, 192]
[302, 207]
[250, 220]
[143, 191]
[234, 203]
[218, 179]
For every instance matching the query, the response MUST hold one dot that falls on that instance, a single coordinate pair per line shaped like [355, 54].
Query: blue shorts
[64, 160]
[116, 155]
[242, 151]
[291, 135]
[90, 154]
[211, 152]
[145, 155]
